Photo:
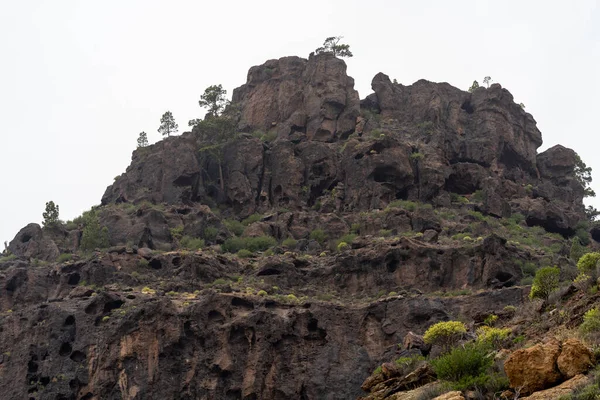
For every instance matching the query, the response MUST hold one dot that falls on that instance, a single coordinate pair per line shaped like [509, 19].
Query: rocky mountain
[295, 261]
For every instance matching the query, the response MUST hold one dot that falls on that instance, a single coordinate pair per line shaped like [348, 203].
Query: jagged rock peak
[298, 98]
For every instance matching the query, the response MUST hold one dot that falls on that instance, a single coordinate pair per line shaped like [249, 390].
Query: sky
[79, 80]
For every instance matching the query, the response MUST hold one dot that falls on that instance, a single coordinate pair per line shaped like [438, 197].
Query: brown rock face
[534, 368]
[574, 358]
[296, 97]
[563, 389]
[31, 242]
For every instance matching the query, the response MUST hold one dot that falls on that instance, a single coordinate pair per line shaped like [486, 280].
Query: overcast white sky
[80, 79]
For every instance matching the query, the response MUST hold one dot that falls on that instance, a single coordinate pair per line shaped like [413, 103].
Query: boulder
[574, 359]
[31, 242]
[454, 395]
[414, 341]
[534, 368]
[557, 392]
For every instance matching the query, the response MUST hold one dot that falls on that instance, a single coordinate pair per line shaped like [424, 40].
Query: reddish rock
[534, 368]
[574, 359]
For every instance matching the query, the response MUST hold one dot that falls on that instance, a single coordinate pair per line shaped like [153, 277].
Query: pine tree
[93, 236]
[167, 124]
[51, 214]
[474, 86]
[214, 99]
[142, 140]
[331, 45]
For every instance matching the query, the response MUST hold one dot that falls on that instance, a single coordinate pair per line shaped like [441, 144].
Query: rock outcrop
[542, 366]
[31, 242]
[299, 99]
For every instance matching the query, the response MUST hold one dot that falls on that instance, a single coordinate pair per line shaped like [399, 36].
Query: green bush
[385, 232]
[210, 233]
[243, 253]
[319, 235]
[290, 243]
[64, 257]
[545, 282]
[342, 246]
[252, 244]
[444, 333]
[190, 243]
[405, 204]
[588, 263]
[177, 232]
[260, 243]
[93, 236]
[233, 245]
[494, 337]
[252, 219]
[355, 228]
[465, 365]
[591, 322]
[235, 227]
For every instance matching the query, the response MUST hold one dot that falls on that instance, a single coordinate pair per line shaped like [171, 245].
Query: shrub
[252, 244]
[490, 320]
[342, 246]
[243, 253]
[233, 245]
[405, 204]
[591, 322]
[190, 243]
[319, 235]
[464, 363]
[143, 263]
[588, 262]
[577, 250]
[262, 293]
[64, 257]
[252, 219]
[348, 238]
[147, 290]
[210, 233]
[260, 243]
[445, 333]
[235, 227]
[545, 282]
[494, 337]
[385, 232]
[93, 235]
[290, 243]
[176, 232]
[408, 364]
[355, 228]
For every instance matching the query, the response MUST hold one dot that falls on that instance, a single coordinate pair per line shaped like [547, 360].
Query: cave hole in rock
[26, 238]
[392, 265]
[78, 356]
[65, 349]
[385, 174]
[313, 325]
[359, 156]
[504, 276]
[176, 261]
[402, 194]
[32, 365]
[88, 396]
[215, 316]
[239, 302]
[70, 320]
[550, 225]
[61, 396]
[269, 271]
[595, 233]
[460, 184]
[74, 383]
[113, 305]
[44, 380]
[468, 107]
[184, 180]
[155, 263]
[183, 211]
[74, 279]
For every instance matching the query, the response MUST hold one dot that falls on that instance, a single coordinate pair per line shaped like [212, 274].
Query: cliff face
[420, 142]
[391, 202]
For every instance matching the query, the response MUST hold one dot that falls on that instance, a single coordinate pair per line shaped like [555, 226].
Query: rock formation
[389, 214]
